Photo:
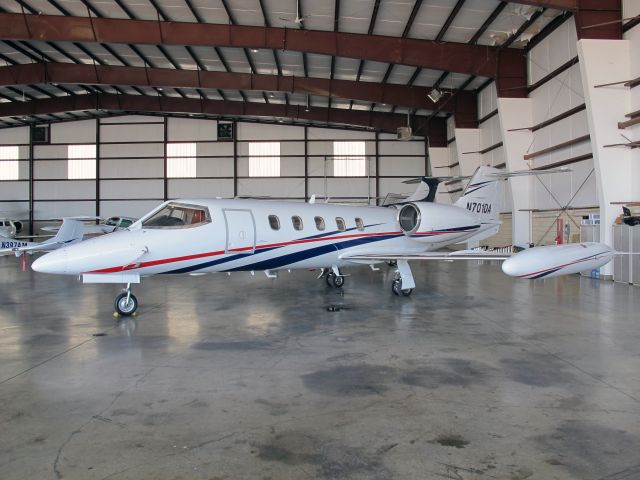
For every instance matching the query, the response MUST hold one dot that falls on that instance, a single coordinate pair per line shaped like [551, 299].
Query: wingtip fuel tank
[555, 260]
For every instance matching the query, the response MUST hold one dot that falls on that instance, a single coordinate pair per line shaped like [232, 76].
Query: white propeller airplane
[227, 235]
[71, 231]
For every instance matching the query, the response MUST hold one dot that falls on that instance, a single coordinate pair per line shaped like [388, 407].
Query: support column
[515, 114]
[601, 62]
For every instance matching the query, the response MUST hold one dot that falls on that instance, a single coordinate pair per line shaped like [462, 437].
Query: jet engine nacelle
[434, 222]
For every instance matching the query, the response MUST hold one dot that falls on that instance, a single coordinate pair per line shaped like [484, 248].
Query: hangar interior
[108, 108]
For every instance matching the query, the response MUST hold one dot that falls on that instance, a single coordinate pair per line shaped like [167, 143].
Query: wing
[450, 256]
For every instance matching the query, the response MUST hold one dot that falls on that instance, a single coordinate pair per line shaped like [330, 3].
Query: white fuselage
[239, 237]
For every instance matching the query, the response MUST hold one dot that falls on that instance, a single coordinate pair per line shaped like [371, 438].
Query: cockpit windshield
[178, 215]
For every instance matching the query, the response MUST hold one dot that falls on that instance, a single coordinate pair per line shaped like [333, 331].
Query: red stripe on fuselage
[152, 263]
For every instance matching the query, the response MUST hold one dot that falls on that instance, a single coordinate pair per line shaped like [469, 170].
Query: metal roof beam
[68, 73]
[462, 58]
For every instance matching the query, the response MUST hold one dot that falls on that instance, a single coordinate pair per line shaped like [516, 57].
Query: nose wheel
[126, 302]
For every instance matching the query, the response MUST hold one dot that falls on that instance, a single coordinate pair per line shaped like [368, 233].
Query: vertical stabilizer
[482, 196]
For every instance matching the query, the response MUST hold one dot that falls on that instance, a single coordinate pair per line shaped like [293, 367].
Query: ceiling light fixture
[435, 95]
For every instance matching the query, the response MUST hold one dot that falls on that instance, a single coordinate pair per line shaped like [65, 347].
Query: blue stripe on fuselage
[291, 258]
[283, 260]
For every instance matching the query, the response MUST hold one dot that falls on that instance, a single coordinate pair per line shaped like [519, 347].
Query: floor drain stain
[452, 441]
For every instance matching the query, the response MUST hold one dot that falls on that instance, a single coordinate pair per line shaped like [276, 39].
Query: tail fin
[71, 231]
[482, 196]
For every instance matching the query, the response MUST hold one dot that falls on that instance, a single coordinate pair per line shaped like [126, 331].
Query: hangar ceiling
[362, 63]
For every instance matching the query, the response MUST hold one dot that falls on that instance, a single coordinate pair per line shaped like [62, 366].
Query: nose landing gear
[126, 302]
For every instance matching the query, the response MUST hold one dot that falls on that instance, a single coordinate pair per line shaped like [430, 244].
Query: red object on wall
[559, 231]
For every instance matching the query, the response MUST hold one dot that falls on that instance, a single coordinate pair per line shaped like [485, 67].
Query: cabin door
[241, 231]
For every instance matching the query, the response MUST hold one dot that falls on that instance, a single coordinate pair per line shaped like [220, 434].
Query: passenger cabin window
[319, 223]
[297, 222]
[125, 222]
[340, 224]
[274, 222]
[360, 224]
[177, 215]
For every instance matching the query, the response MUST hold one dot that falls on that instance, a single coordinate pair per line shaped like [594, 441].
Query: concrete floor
[476, 376]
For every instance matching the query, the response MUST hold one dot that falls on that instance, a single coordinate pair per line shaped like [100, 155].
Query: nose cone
[54, 262]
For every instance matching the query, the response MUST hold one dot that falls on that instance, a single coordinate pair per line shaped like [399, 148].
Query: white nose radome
[53, 262]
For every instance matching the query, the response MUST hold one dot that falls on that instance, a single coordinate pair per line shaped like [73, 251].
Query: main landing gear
[126, 302]
[396, 288]
[403, 283]
[334, 281]
[333, 277]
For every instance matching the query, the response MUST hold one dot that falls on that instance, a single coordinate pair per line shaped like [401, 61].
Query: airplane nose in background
[54, 262]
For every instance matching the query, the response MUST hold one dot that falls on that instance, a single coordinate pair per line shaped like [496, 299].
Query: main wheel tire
[123, 307]
[338, 281]
[396, 288]
[329, 279]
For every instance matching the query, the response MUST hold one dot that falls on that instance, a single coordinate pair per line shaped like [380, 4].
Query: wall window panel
[82, 161]
[181, 160]
[264, 159]
[9, 165]
[349, 159]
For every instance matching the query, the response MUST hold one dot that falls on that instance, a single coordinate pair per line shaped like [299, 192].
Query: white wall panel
[115, 189]
[50, 151]
[132, 150]
[410, 166]
[131, 167]
[395, 185]
[64, 189]
[73, 132]
[401, 148]
[15, 209]
[17, 190]
[341, 187]
[200, 188]
[191, 129]
[129, 133]
[257, 131]
[326, 148]
[131, 208]
[50, 169]
[13, 136]
[271, 187]
[554, 51]
[487, 100]
[44, 210]
[291, 148]
[289, 166]
[214, 167]
[215, 149]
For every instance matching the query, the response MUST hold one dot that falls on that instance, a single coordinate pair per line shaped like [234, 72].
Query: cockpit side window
[178, 215]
